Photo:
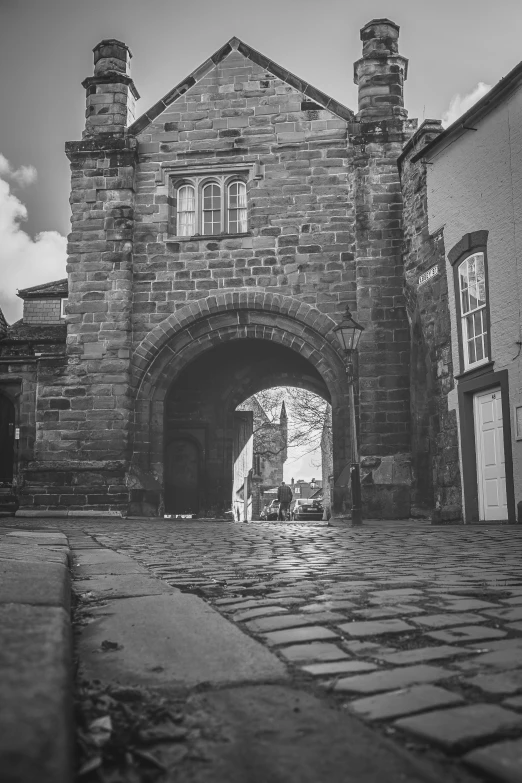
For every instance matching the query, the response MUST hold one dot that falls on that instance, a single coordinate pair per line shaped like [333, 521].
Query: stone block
[338, 667]
[37, 584]
[469, 633]
[313, 651]
[502, 760]
[36, 725]
[292, 635]
[391, 679]
[460, 727]
[408, 701]
[421, 654]
[375, 628]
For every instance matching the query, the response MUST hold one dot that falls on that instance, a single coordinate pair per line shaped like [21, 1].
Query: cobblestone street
[413, 628]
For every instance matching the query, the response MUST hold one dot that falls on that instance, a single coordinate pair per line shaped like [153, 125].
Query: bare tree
[306, 414]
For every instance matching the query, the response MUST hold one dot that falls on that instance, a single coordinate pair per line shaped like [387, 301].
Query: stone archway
[273, 326]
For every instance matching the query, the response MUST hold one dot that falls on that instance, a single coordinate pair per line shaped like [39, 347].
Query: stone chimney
[111, 93]
[380, 73]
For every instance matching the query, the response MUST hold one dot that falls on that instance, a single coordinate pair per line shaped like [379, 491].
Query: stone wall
[435, 457]
[42, 311]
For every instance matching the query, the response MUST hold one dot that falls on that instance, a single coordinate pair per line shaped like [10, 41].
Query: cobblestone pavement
[416, 629]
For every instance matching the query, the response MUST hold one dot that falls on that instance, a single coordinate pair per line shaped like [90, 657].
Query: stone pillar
[384, 403]
[381, 72]
[111, 93]
[84, 453]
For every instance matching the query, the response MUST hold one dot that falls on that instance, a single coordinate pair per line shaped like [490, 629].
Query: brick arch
[238, 301]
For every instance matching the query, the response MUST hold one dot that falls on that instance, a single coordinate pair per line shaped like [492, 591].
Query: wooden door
[491, 461]
[182, 477]
[7, 438]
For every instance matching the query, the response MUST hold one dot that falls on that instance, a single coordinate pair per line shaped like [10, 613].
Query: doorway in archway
[7, 439]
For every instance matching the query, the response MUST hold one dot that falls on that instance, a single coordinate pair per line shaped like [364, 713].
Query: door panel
[7, 434]
[491, 469]
[182, 477]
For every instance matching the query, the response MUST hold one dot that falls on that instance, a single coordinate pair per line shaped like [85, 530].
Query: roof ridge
[236, 44]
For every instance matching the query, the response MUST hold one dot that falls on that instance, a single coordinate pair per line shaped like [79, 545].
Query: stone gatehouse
[216, 241]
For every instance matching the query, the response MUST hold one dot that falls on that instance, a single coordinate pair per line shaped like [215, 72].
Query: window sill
[206, 237]
[479, 369]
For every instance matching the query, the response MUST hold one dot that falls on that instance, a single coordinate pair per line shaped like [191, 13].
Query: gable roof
[3, 323]
[56, 289]
[314, 95]
[501, 91]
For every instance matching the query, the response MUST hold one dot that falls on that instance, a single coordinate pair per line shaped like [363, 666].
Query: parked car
[270, 511]
[307, 508]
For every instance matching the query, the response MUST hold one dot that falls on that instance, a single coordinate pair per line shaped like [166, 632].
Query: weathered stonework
[149, 310]
[435, 457]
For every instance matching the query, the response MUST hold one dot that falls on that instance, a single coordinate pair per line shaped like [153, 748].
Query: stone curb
[36, 660]
[35, 514]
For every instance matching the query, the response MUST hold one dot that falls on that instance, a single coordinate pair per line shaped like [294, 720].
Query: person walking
[284, 496]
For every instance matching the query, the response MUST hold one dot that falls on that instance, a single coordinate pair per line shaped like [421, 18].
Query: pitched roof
[3, 324]
[31, 333]
[57, 288]
[496, 95]
[314, 95]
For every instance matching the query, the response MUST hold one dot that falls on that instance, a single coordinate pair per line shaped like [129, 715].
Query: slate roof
[55, 289]
[31, 333]
[312, 93]
[3, 324]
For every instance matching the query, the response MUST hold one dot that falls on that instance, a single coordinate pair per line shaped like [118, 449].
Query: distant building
[260, 453]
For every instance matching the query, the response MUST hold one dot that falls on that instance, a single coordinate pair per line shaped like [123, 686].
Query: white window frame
[199, 182]
[63, 305]
[471, 312]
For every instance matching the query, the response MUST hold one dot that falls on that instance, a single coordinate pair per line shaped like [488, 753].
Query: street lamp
[348, 332]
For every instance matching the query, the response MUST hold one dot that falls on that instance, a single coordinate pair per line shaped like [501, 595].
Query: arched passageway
[201, 407]
[195, 378]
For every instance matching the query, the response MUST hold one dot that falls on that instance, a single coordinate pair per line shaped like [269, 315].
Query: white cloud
[460, 104]
[25, 175]
[24, 261]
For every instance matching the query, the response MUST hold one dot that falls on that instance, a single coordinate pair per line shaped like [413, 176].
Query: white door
[491, 463]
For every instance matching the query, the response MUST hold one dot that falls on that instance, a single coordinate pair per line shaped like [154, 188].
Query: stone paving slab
[408, 701]
[502, 760]
[375, 628]
[511, 615]
[313, 651]
[339, 667]
[468, 633]
[37, 583]
[504, 683]
[405, 657]
[173, 639]
[445, 620]
[310, 633]
[291, 621]
[461, 727]
[35, 694]
[261, 611]
[391, 679]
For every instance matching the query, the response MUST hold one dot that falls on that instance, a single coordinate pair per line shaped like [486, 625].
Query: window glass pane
[237, 211]
[212, 209]
[186, 206]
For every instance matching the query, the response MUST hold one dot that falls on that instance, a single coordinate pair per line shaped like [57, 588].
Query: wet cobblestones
[413, 628]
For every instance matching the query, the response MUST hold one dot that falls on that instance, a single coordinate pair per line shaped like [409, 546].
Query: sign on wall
[432, 272]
